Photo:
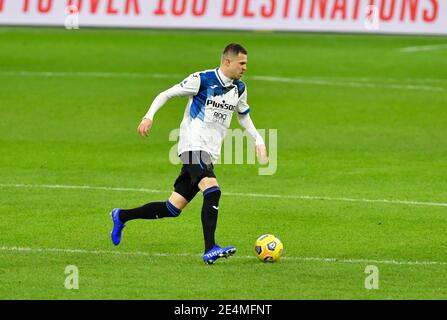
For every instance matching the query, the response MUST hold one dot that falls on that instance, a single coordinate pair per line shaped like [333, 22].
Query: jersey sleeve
[242, 106]
[189, 86]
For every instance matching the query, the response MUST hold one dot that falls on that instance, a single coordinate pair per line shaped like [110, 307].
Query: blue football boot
[117, 226]
[217, 252]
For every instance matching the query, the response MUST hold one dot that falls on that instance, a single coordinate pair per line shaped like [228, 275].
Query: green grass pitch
[358, 119]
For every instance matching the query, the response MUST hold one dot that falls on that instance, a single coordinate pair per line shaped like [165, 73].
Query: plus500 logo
[223, 105]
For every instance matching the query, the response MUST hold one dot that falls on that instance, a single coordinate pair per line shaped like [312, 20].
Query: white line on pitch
[89, 74]
[157, 254]
[339, 82]
[424, 48]
[382, 80]
[352, 84]
[236, 194]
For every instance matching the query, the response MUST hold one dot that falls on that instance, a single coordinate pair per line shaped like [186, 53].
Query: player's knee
[178, 201]
[173, 210]
[212, 191]
[207, 183]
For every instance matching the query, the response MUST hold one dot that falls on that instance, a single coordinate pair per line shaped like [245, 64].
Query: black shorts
[196, 166]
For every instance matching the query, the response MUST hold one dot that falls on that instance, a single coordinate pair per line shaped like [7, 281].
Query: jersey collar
[225, 81]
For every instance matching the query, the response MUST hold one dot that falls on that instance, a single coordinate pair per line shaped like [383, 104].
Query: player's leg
[178, 201]
[207, 183]
[183, 194]
[210, 209]
[156, 210]
[153, 210]
[201, 171]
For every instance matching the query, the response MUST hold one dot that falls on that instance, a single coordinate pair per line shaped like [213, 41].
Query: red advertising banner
[377, 16]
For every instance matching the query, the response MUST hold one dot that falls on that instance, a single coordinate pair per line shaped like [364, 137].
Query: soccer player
[214, 95]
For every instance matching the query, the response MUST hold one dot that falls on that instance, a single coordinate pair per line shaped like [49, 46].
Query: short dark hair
[235, 49]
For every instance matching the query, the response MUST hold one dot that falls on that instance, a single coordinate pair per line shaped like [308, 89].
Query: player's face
[237, 65]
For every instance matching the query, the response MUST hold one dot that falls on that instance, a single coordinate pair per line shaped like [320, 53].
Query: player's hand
[144, 127]
[261, 152]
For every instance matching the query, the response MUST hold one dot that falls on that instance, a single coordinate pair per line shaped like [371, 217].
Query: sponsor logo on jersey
[222, 105]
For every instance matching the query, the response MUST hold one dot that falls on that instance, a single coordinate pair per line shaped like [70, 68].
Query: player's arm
[188, 87]
[247, 123]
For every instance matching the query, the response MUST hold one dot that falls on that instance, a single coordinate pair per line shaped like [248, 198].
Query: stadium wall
[364, 16]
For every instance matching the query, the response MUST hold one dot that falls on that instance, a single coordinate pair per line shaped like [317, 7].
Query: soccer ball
[268, 248]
